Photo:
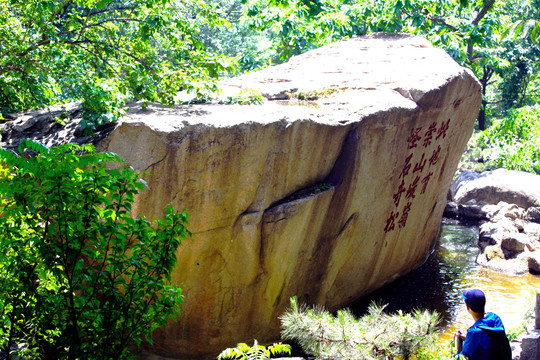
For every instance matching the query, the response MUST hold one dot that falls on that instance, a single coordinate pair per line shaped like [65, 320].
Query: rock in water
[491, 187]
[333, 187]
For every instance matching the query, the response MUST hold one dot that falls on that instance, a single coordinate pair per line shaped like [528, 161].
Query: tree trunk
[486, 75]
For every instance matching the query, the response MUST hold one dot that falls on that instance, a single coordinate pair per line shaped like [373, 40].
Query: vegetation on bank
[512, 142]
[375, 335]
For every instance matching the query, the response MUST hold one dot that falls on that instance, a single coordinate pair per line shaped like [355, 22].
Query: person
[486, 338]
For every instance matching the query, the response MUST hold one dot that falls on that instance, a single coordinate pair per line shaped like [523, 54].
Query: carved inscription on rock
[423, 144]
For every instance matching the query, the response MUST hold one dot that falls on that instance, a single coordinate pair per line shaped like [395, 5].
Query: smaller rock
[530, 345]
[451, 210]
[493, 252]
[514, 187]
[487, 236]
[510, 211]
[516, 266]
[532, 229]
[503, 225]
[532, 214]
[519, 224]
[534, 262]
[472, 211]
[515, 242]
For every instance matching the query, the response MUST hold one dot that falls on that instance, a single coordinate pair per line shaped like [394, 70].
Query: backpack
[500, 345]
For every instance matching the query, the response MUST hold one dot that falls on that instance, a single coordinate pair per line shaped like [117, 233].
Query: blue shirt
[478, 342]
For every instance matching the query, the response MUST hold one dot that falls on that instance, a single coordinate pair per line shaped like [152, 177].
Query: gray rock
[514, 187]
[532, 214]
[534, 262]
[515, 242]
[451, 209]
[532, 230]
[530, 346]
[472, 211]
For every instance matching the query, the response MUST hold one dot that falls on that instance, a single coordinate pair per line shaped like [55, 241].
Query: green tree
[103, 52]
[515, 80]
[236, 39]
[521, 50]
[513, 142]
[79, 277]
[295, 26]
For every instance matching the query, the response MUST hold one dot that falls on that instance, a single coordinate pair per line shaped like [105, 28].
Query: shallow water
[438, 284]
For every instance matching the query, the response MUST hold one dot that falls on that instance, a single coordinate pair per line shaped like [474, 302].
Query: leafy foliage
[516, 79]
[103, 52]
[375, 335]
[79, 277]
[514, 142]
[250, 49]
[300, 25]
[256, 352]
[521, 51]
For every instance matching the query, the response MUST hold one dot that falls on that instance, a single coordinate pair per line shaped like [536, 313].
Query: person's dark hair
[475, 299]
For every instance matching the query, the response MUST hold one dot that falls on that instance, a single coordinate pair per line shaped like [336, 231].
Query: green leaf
[65, 229]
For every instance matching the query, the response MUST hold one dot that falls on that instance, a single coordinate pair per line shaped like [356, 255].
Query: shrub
[375, 335]
[79, 277]
[243, 351]
[514, 141]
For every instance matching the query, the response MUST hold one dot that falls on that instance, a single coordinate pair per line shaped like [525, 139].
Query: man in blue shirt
[486, 339]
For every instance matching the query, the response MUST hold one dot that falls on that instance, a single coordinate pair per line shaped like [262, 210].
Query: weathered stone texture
[366, 133]
[375, 151]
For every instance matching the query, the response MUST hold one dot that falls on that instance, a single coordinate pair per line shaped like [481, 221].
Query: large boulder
[327, 198]
[492, 187]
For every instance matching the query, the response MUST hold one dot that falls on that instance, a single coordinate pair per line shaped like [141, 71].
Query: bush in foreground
[79, 277]
[373, 336]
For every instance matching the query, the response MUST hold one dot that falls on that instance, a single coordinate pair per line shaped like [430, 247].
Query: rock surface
[326, 199]
[513, 187]
[509, 237]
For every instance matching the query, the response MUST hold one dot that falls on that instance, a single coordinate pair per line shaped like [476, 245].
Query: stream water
[438, 284]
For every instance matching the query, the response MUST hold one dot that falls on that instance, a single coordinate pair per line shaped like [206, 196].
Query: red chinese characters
[412, 188]
[400, 190]
[419, 166]
[435, 156]
[414, 138]
[425, 182]
[391, 222]
[442, 130]
[403, 219]
[406, 167]
[429, 134]
[408, 189]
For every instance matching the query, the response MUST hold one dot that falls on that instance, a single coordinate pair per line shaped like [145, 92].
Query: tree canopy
[103, 52]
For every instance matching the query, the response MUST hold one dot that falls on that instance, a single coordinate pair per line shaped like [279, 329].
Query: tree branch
[480, 15]
[59, 10]
[440, 20]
